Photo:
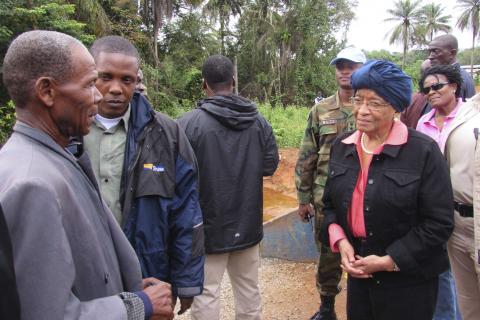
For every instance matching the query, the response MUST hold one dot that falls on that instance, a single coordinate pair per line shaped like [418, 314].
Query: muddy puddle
[276, 204]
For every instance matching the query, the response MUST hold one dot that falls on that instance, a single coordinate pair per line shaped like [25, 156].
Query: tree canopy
[281, 48]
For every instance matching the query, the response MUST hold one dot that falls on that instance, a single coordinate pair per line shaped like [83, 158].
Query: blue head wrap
[387, 80]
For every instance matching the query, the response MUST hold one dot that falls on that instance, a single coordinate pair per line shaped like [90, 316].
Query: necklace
[362, 143]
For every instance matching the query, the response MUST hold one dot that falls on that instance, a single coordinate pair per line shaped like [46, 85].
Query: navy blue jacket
[159, 197]
[467, 90]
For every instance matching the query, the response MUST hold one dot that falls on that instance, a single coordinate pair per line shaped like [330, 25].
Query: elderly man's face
[117, 79]
[343, 73]
[439, 54]
[76, 99]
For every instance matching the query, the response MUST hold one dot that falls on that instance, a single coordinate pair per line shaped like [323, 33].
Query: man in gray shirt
[71, 259]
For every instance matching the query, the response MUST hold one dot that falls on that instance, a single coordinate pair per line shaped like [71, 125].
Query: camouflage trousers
[329, 272]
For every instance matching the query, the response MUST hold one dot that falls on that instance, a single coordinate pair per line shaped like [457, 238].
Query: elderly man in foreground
[71, 259]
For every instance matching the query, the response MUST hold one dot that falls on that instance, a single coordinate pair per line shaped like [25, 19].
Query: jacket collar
[389, 150]
[397, 137]
[467, 110]
[141, 113]
[82, 163]
[42, 138]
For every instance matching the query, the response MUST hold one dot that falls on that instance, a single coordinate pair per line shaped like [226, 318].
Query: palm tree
[156, 12]
[220, 10]
[93, 13]
[408, 14]
[433, 20]
[469, 19]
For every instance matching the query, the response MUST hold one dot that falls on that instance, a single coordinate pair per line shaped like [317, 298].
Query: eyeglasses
[434, 87]
[371, 105]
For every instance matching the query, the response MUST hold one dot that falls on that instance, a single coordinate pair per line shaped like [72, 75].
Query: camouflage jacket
[326, 121]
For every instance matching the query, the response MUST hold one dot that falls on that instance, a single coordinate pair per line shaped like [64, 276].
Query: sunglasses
[434, 87]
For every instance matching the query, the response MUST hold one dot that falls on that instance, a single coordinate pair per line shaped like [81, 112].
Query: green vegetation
[7, 119]
[288, 123]
[281, 48]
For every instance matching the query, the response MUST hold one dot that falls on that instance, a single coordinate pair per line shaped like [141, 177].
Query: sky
[367, 31]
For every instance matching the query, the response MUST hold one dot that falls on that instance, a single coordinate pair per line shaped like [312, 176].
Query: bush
[288, 123]
[7, 120]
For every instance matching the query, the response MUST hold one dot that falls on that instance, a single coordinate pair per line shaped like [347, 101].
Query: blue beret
[387, 80]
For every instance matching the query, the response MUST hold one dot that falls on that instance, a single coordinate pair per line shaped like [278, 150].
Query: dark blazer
[467, 89]
[9, 303]
[408, 203]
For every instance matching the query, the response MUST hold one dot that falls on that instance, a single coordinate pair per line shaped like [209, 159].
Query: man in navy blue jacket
[147, 173]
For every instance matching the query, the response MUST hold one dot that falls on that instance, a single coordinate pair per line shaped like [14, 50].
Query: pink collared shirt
[426, 124]
[398, 136]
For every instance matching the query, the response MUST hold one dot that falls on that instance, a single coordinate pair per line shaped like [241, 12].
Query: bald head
[36, 54]
[443, 50]
[446, 41]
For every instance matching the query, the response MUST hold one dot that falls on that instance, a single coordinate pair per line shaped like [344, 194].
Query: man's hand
[348, 259]
[305, 211]
[160, 295]
[147, 282]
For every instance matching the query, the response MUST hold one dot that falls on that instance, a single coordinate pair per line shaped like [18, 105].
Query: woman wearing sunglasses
[441, 86]
[388, 203]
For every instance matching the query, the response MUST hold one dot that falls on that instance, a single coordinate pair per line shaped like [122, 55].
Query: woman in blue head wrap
[388, 203]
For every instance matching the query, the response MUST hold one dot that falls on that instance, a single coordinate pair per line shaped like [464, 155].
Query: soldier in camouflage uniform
[326, 120]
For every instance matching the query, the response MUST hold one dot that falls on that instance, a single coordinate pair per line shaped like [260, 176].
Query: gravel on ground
[288, 292]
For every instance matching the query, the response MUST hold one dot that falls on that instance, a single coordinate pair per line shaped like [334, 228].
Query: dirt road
[288, 293]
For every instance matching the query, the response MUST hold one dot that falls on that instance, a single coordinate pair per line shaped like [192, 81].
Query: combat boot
[327, 309]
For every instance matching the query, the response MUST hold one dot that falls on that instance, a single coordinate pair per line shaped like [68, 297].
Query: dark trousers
[391, 297]
[9, 302]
